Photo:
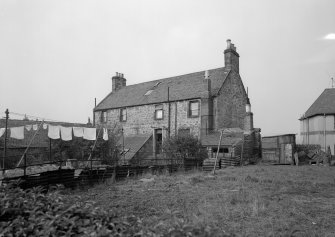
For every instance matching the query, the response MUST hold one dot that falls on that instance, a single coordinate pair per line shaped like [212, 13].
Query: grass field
[246, 201]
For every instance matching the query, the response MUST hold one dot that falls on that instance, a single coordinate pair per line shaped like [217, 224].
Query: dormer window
[123, 115]
[149, 92]
[152, 89]
[193, 109]
[159, 112]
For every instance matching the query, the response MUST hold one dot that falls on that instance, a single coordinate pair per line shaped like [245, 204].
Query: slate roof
[134, 143]
[325, 104]
[188, 86]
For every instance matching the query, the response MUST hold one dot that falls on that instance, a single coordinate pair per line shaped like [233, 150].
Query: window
[158, 112]
[149, 92]
[123, 115]
[193, 110]
[152, 89]
[103, 117]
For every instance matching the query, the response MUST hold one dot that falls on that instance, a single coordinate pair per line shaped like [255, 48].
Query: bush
[184, 147]
[32, 213]
[80, 149]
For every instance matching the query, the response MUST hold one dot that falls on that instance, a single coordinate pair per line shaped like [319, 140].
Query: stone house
[200, 103]
[317, 125]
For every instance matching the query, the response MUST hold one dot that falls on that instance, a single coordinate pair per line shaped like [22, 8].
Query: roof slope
[181, 87]
[134, 143]
[325, 104]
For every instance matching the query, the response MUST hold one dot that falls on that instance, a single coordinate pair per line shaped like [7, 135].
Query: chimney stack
[248, 120]
[118, 82]
[231, 57]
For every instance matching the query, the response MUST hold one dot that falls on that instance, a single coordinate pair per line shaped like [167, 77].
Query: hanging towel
[35, 126]
[17, 132]
[78, 131]
[90, 133]
[28, 127]
[66, 133]
[45, 126]
[105, 136]
[53, 132]
[2, 131]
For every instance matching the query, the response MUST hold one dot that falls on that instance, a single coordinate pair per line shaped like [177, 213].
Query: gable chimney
[231, 57]
[118, 82]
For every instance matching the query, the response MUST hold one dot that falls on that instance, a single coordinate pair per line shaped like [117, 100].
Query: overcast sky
[57, 56]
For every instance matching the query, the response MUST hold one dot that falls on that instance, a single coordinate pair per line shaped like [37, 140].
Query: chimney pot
[228, 43]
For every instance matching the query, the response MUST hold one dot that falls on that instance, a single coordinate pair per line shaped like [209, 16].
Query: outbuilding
[278, 149]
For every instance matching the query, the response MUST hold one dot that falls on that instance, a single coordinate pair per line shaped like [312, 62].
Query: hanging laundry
[35, 127]
[28, 127]
[105, 135]
[78, 131]
[17, 132]
[66, 133]
[2, 131]
[45, 126]
[53, 132]
[90, 133]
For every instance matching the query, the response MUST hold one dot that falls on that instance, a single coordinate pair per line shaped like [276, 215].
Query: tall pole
[169, 111]
[95, 105]
[124, 155]
[5, 142]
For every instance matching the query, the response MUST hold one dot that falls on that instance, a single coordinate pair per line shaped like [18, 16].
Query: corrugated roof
[325, 104]
[134, 143]
[181, 88]
[227, 140]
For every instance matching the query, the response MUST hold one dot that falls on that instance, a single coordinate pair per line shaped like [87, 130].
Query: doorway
[158, 140]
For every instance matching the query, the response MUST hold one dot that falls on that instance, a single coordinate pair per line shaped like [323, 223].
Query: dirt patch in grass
[252, 200]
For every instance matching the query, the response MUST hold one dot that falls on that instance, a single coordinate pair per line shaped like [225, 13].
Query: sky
[56, 56]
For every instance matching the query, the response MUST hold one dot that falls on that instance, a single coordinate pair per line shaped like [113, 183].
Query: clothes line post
[5, 142]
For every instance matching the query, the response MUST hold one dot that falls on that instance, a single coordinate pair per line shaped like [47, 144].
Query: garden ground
[246, 201]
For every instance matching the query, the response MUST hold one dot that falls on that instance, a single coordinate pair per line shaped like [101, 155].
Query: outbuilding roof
[325, 104]
[132, 144]
[188, 86]
[213, 139]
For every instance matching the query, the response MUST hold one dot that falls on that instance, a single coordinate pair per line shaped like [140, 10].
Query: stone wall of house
[141, 120]
[229, 105]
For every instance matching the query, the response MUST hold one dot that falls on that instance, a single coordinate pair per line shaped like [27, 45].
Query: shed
[278, 149]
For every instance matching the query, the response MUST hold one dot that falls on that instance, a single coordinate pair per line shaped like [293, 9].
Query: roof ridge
[165, 78]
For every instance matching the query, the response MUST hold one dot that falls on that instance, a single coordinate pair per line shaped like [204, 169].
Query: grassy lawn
[246, 201]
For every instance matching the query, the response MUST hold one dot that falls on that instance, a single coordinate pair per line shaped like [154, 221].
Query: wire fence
[75, 173]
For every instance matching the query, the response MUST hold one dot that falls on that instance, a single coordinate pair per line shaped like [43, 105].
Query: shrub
[32, 213]
[80, 149]
[184, 147]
